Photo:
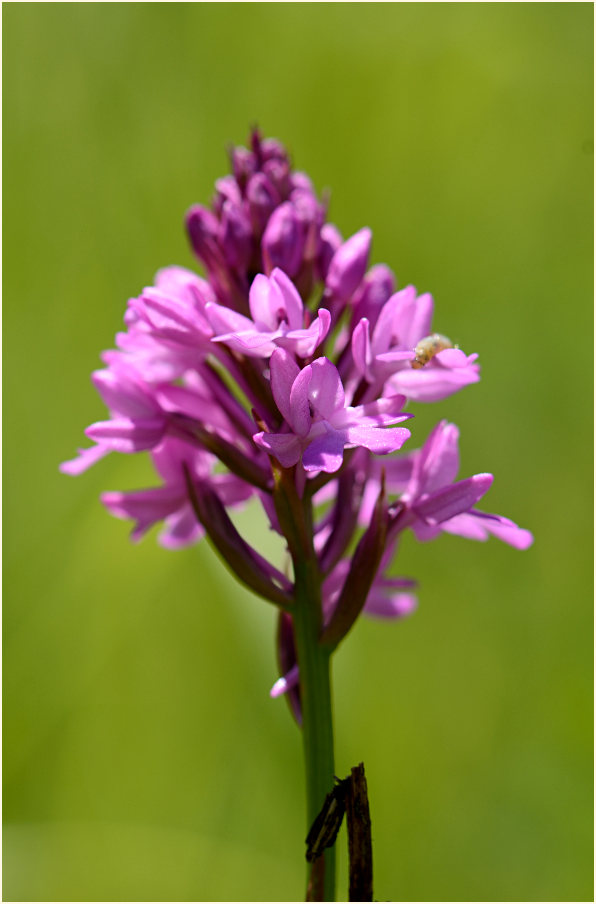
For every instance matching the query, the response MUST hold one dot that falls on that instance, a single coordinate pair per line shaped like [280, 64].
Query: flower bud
[244, 164]
[227, 187]
[376, 288]
[235, 235]
[262, 197]
[348, 265]
[203, 227]
[311, 216]
[283, 241]
[272, 149]
[279, 173]
[330, 241]
[301, 180]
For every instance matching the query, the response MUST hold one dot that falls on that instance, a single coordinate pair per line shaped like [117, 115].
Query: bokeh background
[143, 759]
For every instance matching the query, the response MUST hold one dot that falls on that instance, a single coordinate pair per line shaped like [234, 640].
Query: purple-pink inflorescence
[290, 361]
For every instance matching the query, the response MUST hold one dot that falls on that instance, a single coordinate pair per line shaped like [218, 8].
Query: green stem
[317, 716]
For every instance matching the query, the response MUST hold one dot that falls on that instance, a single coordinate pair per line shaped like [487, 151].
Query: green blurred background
[143, 759]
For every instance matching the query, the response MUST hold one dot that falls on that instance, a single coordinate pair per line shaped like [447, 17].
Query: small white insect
[428, 347]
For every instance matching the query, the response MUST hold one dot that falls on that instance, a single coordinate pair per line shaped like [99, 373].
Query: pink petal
[125, 435]
[377, 439]
[420, 322]
[304, 341]
[467, 526]
[325, 391]
[284, 372]
[250, 342]
[180, 529]
[85, 459]
[476, 525]
[232, 490]
[361, 350]
[451, 358]
[283, 685]
[123, 394]
[173, 318]
[265, 301]
[285, 447]
[300, 414]
[432, 384]
[396, 356]
[291, 298]
[224, 320]
[392, 327]
[325, 453]
[186, 401]
[145, 507]
[453, 500]
[379, 413]
[184, 284]
[512, 534]
[348, 264]
[170, 456]
[382, 604]
[437, 463]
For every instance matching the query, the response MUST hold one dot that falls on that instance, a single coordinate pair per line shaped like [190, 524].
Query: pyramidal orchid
[285, 375]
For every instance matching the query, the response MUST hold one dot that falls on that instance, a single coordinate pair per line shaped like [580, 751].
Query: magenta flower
[430, 501]
[278, 319]
[141, 414]
[389, 350]
[312, 401]
[432, 497]
[137, 421]
[447, 372]
[170, 502]
[167, 333]
[172, 312]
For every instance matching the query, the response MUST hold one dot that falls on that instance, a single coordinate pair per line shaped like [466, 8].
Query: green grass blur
[143, 759]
